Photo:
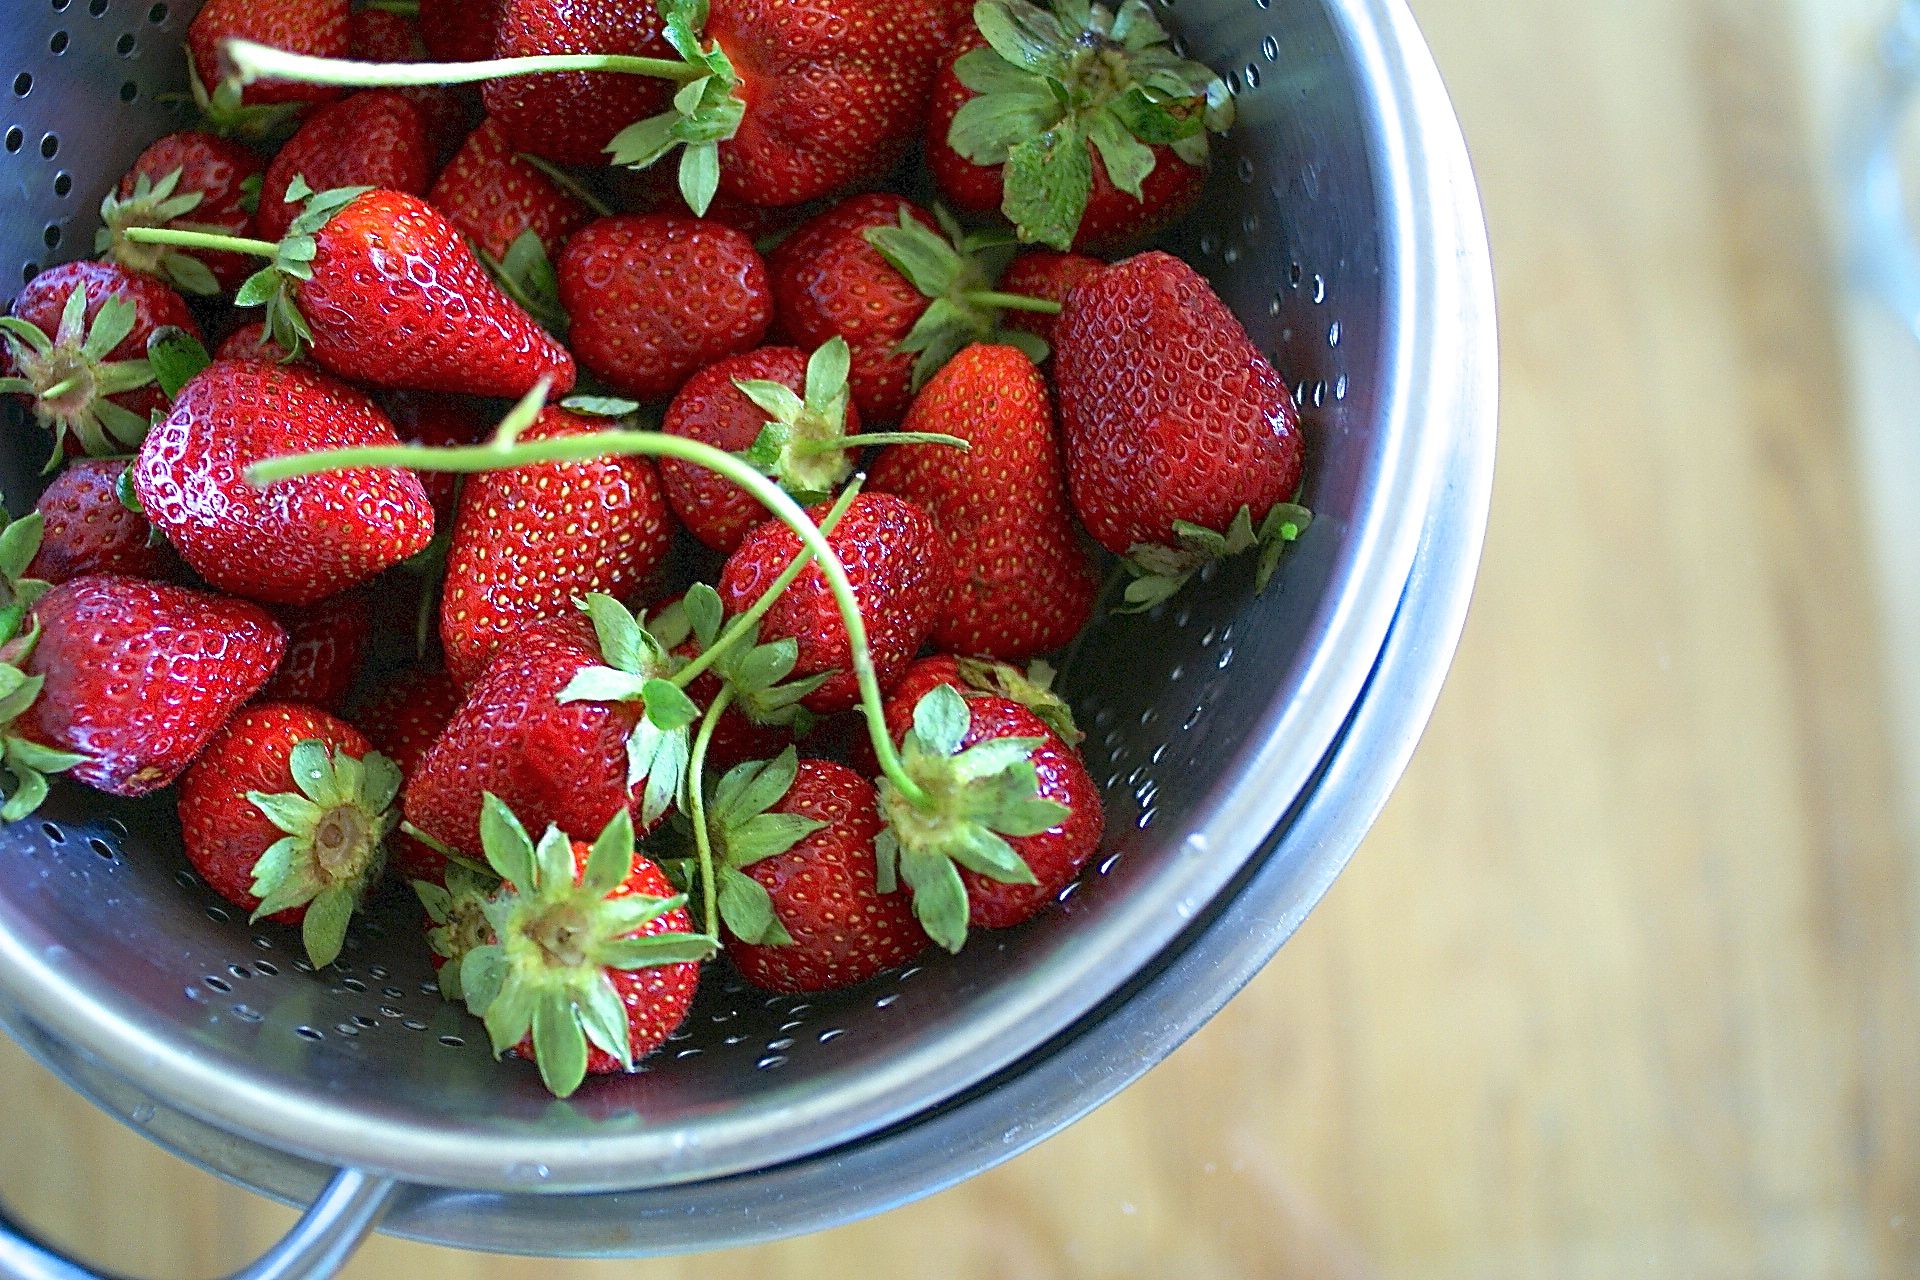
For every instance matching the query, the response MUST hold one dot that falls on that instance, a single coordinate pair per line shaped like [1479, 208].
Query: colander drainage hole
[218, 983]
[771, 1061]
[353, 984]
[246, 1013]
[157, 14]
[125, 45]
[308, 1033]
[831, 1033]
[51, 235]
[23, 83]
[53, 833]
[687, 1053]
[97, 7]
[63, 184]
[361, 1019]
[239, 971]
[129, 91]
[453, 1042]
[60, 6]
[219, 915]
[267, 967]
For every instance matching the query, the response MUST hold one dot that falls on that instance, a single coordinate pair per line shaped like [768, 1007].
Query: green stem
[59, 388]
[697, 806]
[202, 240]
[744, 622]
[252, 62]
[651, 444]
[405, 8]
[840, 443]
[1013, 302]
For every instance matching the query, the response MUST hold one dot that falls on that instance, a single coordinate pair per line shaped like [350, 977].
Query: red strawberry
[1012, 811]
[295, 541]
[570, 117]
[285, 815]
[140, 675]
[316, 27]
[1182, 442]
[1042, 273]
[1102, 125]
[798, 896]
[402, 722]
[326, 643]
[1026, 585]
[732, 405]
[901, 572]
[596, 962]
[379, 36]
[251, 342]
[494, 197]
[973, 677]
[194, 181]
[438, 420]
[654, 297]
[90, 530]
[372, 139]
[529, 543]
[76, 350]
[459, 30]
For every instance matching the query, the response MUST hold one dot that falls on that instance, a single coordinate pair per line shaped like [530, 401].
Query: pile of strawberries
[636, 565]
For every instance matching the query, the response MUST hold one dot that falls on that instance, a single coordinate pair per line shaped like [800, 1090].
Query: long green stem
[1014, 302]
[697, 806]
[252, 61]
[201, 240]
[652, 444]
[840, 444]
[60, 388]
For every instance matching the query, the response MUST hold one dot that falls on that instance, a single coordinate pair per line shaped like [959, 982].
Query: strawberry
[430, 419]
[371, 139]
[1084, 127]
[793, 844]
[285, 815]
[971, 677]
[90, 529]
[402, 722]
[1182, 442]
[530, 542]
[194, 181]
[293, 542]
[376, 35]
[316, 27]
[76, 352]
[763, 712]
[326, 643]
[654, 298]
[459, 30]
[133, 678]
[901, 572]
[1042, 273]
[571, 117]
[494, 197]
[456, 923]
[596, 962]
[252, 342]
[1010, 819]
[1027, 586]
[875, 270]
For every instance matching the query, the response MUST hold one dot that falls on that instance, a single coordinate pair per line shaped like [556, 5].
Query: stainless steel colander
[1244, 744]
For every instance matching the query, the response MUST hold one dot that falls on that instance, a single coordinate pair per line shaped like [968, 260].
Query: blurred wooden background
[1624, 983]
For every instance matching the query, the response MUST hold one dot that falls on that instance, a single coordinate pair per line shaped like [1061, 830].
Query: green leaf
[705, 613]
[917, 252]
[611, 860]
[603, 684]
[886, 860]
[1029, 816]
[775, 399]
[623, 642]
[176, 357]
[14, 704]
[600, 406]
[604, 1019]
[260, 288]
[986, 854]
[112, 325]
[939, 896]
[552, 861]
[827, 371]
[700, 175]
[1151, 119]
[995, 755]
[767, 835]
[668, 706]
[642, 143]
[1048, 180]
[985, 72]
[1021, 33]
[754, 787]
[20, 543]
[482, 973]
[559, 1045]
[941, 720]
[312, 769]
[660, 757]
[684, 21]
[29, 793]
[509, 1015]
[747, 910]
[190, 275]
[71, 330]
[1128, 160]
[294, 814]
[508, 847]
[765, 665]
[656, 952]
[434, 900]
[987, 128]
[39, 757]
[324, 928]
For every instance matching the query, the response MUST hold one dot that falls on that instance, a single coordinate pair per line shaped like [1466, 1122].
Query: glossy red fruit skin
[835, 91]
[569, 117]
[844, 930]
[426, 417]
[656, 999]
[374, 138]
[712, 409]
[459, 30]
[217, 168]
[140, 675]
[1026, 586]
[494, 197]
[1042, 273]
[250, 342]
[326, 643]
[1168, 409]
[221, 830]
[1055, 856]
[551, 762]
[317, 27]
[655, 297]
[901, 572]
[1113, 220]
[530, 543]
[402, 722]
[446, 113]
[296, 541]
[828, 281]
[89, 530]
[393, 276]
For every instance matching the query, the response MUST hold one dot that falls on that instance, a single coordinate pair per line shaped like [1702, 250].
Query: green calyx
[638, 668]
[457, 912]
[527, 276]
[223, 112]
[742, 833]
[70, 380]
[276, 286]
[155, 204]
[975, 798]
[334, 827]
[707, 110]
[1032, 689]
[756, 673]
[560, 935]
[28, 764]
[1160, 571]
[1056, 81]
[802, 447]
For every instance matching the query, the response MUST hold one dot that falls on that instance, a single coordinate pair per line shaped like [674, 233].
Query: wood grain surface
[1624, 982]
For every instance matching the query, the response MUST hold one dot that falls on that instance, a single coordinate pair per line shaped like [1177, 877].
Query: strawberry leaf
[1048, 181]
[176, 358]
[668, 707]
[747, 910]
[559, 1045]
[508, 847]
[1128, 161]
[705, 613]
[939, 896]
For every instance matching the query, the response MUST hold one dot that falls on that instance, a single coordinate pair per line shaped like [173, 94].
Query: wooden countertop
[1624, 983]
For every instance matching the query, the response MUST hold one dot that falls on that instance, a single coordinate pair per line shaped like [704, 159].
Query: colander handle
[318, 1246]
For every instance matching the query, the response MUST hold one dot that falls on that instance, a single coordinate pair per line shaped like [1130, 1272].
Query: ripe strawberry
[653, 298]
[295, 541]
[459, 30]
[317, 27]
[973, 677]
[90, 530]
[1011, 811]
[901, 571]
[371, 139]
[285, 816]
[596, 962]
[326, 643]
[1042, 273]
[456, 922]
[1026, 585]
[570, 117]
[1086, 129]
[251, 342]
[376, 35]
[76, 353]
[1182, 442]
[138, 676]
[793, 843]
[427, 418]
[494, 197]
[529, 543]
[402, 722]
[194, 181]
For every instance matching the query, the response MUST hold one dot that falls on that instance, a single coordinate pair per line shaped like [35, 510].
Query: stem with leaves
[697, 808]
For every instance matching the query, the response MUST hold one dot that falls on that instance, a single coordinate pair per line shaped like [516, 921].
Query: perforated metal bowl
[1344, 229]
